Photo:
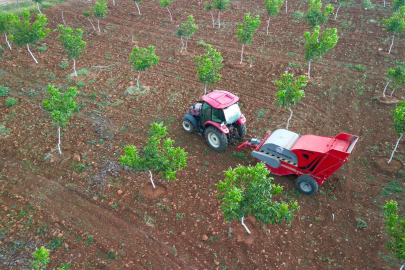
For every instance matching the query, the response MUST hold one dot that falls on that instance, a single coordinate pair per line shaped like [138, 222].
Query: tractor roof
[220, 99]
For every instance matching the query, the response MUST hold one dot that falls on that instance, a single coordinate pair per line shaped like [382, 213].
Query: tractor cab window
[206, 113]
[217, 115]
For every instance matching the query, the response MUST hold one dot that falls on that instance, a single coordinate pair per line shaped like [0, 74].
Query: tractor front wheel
[216, 139]
[187, 125]
[242, 131]
[306, 184]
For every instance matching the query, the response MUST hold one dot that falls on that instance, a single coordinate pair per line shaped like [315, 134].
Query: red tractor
[314, 158]
[218, 116]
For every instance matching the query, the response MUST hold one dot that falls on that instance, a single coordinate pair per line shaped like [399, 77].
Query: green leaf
[100, 9]
[273, 6]
[221, 5]
[247, 29]
[396, 23]
[316, 46]
[315, 16]
[72, 41]
[208, 66]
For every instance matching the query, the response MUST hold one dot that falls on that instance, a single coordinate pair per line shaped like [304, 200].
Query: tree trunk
[384, 6]
[63, 20]
[74, 66]
[288, 121]
[114, 3]
[402, 266]
[337, 11]
[137, 81]
[33, 57]
[245, 226]
[393, 90]
[392, 43]
[212, 17]
[386, 88]
[60, 152]
[171, 18]
[139, 12]
[8, 43]
[151, 180]
[132, 35]
[241, 55]
[285, 6]
[268, 23]
[205, 89]
[389, 161]
[94, 28]
[98, 24]
[309, 70]
[219, 19]
[39, 9]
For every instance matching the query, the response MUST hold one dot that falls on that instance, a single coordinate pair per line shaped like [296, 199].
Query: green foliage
[72, 41]
[399, 118]
[86, 14]
[6, 22]
[188, 28]
[247, 29]
[207, 6]
[99, 10]
[361, 223]
[396, 75]
[396, 23]
[143, 58]
[1, 49]
[11, 102]
[289, 91]
[395, 228]
[397, 4]
[208, 65]
[248, 190]
[221, 4]
[273, 6]
[315, 16]
[26, 33]
[316, 47]
[64, 64]
[61, 104]
[42, 48]
[165, 3]
[158, 155]
[41, 256]
[4, 91]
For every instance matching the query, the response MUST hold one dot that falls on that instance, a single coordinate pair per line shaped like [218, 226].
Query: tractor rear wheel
[216, 139]
[242, 131]
[306, 184]
[187, 125]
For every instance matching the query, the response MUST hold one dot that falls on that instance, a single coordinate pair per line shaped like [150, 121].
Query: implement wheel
[306, 184]
[216, 139]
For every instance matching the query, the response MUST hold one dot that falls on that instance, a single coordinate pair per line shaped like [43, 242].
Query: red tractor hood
[220, 99]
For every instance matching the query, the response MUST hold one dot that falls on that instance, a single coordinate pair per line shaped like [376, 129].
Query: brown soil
[75, 208]
[387, 99]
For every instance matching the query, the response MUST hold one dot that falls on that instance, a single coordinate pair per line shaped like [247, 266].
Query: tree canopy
[395, 228]
[315, 16]
[208, 66]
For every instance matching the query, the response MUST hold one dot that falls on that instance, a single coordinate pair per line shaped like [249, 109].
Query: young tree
[60, 106]
[99, 11]
[72, 43]
[315, 16]
[399, 123]
[316, 47]
[208, 7]
[208, 66]
[397, 4]
[289, 92]
[249, 190]
[158, 156]
[246, 31]
[273, 8]
[87, 15]
[38, 2]
[344, 2]
[6, 23]
[221, 5]
[187, 30]
[395, 24]
[41, 256]
[143, 58]
[136, 3]
[166, 4]
[395, 228]
[395, 75]
[25, 33]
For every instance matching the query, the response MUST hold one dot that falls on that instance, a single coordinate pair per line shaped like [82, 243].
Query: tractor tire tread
[310, 180]
[222, 137]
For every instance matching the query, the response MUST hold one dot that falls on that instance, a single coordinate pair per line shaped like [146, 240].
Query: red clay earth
[94, 214]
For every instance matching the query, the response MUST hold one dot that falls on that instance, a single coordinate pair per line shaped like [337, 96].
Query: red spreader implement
[314, 158]
[218, 116]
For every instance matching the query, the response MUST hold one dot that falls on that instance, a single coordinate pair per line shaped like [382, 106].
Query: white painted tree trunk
[285, 6]
[39, 9]
[63, 19]
[393, 90]
[402, 266]
[182, 44]
[212, 17]
[337, 11]
[241, 55]
[219, 19]
[8, 43]
[114, 3]
[132, 35]
[151, 180]
[386, 88]
[268, 23]
[139, 11]
[205, 89]
[392, 43]
[94, 28]
[98, 24]
[137, 80]
[33, 57]
[384, 6]
[171, 18]
[74, 66]
[246, 228]
[309, 70]
[389, 161]
[288, 121]
[60, 152]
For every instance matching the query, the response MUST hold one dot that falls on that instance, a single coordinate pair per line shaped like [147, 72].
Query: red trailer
[314, 158]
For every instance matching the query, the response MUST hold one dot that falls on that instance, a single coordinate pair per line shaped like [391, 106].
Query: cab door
[206, 113]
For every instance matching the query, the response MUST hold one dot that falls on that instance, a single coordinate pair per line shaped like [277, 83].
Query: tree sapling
[99, 11]
[136, 3]
[6, 23]
[399, 123]
[208, 66]
[41, 256]
[395, 228]
[344, 2]
[87, 15]
[25, 33]
[166, 4]
[249, 190]
[395, 75]
[60, 106]
[208, 7]
[221, 5]
[143, 58]
[289, 92]
[246, 31]
[38, 2]
[187, 30]
[72, 43]
[273, 8]
[395, 24]
[397, 4]
[158, 156]
[315, 16]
